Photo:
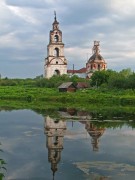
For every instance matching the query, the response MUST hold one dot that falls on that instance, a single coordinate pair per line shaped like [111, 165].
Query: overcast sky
[25, 26]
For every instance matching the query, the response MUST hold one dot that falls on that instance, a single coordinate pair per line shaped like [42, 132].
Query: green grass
[81, 97]
[101, 104]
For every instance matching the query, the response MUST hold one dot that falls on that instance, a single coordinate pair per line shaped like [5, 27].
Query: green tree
[101, 77]
[116, 81]
[130, 84]
[126, 72]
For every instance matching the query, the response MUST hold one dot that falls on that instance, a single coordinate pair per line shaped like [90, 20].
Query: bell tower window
[56, 52]
[98, 66]
[56, 38]
[91, 66]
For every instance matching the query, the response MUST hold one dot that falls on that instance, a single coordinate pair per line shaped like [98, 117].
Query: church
[56, 62]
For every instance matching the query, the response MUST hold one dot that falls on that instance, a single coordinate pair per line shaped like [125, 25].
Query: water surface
[47, 147]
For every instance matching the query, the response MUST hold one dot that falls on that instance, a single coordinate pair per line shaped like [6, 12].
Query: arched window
[57, 72]
[56, 38]
[91, 67]
[98, 66]
[56, 52]
[55, 140]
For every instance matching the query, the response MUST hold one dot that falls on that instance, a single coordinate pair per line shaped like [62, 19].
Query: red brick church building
[95, 63]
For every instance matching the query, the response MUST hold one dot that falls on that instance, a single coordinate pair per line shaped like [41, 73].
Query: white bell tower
[55, 63]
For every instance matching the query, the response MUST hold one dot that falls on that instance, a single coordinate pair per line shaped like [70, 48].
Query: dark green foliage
[17, 82]
[124, 79]
[113, 88]
[40, 81]
[117, 81]
[101, 77]
[2, 166]
[55, 81]
[131, 81]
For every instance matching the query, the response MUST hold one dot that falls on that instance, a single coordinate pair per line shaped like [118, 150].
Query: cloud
[29, 4]
[124, 8]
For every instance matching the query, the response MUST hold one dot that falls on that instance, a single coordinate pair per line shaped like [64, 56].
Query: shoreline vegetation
[83, 98]
[110, 112]
[102, 104]
[106, 89]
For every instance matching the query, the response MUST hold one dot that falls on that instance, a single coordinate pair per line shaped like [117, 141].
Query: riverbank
[85, 97]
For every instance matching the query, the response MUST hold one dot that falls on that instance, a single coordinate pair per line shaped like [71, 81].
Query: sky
[25, 27]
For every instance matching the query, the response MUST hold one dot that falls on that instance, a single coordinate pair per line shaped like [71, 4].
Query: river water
[66, 145]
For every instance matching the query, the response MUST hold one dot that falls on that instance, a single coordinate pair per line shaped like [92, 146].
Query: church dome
[94, 57]
[96, 62]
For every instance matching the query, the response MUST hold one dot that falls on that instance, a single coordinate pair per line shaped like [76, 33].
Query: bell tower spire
[55, 23]
[55, 16]
[55, 63]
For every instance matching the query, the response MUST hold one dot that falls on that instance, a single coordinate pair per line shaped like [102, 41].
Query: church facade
[56, 63]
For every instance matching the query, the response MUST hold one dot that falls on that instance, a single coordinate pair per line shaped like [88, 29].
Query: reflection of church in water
[95, 134]
[55, 131]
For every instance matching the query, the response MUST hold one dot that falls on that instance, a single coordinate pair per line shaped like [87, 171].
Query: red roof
[82, 70]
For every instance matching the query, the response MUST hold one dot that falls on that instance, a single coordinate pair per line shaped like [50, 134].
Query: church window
[56, 121]
[91, 66]
[55, 140]
[56, 52]
[56, 38]
[57, 72]
[56, 62]
[98, 66]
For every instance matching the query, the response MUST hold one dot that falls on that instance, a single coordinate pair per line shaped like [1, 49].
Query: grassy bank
[102, 104]
[82, 97]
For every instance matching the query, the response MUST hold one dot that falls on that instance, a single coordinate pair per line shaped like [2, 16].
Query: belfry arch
[56, 52]
[56, 38]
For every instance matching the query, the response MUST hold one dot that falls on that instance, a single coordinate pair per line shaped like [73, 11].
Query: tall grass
[85, 97]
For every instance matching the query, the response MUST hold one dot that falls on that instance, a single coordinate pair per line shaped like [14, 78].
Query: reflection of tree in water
[111, 113]
[2, 166]
[54, 130]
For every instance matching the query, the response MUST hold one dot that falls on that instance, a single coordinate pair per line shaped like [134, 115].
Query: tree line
[40, 81]
[124, 79]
